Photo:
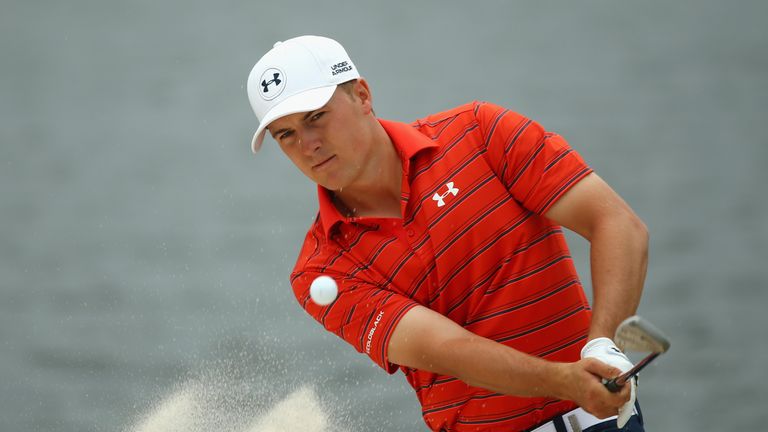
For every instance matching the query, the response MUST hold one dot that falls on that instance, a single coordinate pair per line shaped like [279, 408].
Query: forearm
[484, 363]
[619, 260]
[428, 341]
[487, 364]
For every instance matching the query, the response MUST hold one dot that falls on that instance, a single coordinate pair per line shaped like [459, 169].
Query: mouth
[323, 164]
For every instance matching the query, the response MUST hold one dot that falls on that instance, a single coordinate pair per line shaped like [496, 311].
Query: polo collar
[408, 141]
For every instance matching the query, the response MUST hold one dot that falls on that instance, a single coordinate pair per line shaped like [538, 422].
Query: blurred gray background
[141, 242]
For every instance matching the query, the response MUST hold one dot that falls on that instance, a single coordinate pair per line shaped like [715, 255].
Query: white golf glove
[606, 351]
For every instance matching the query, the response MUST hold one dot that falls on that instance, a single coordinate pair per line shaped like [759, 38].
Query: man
[444, 238]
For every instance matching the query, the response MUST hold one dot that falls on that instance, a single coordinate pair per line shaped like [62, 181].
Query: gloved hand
[606, 351]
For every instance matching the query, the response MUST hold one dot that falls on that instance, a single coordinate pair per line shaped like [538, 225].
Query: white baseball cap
[298, 75]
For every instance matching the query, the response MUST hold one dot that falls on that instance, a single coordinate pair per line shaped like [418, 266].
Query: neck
[377, 192]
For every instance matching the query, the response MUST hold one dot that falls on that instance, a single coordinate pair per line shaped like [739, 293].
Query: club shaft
[615, 384]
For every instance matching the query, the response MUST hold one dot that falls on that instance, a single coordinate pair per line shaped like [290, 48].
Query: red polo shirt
[472, 244]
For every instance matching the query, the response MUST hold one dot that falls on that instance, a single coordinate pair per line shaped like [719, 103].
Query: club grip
[613, 385]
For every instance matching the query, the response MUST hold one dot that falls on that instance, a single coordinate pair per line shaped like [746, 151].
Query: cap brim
[309, 100]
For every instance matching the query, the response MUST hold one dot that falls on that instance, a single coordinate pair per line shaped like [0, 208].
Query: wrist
[556, 380]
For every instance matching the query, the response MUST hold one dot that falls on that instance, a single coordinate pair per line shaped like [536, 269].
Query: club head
[637, 334]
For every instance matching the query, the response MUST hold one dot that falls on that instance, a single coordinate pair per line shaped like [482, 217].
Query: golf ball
[323, 290]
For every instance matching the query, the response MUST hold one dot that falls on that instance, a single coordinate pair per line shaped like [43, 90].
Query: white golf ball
[323, 290]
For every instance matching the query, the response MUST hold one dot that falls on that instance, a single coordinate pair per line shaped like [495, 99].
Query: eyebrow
[306, 116]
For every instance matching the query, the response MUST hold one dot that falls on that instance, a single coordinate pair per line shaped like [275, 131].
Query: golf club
[638, 335]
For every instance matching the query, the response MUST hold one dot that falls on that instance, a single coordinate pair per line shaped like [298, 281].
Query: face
[329, 145]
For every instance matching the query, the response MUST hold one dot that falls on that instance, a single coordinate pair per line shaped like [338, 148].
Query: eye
[285, 135]
[316, 116]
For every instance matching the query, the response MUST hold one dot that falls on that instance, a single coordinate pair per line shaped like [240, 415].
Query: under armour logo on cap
[275, 79]
[272, 77]
[441, 198]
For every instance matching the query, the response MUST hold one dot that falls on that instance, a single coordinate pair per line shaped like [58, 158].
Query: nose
[309, 141]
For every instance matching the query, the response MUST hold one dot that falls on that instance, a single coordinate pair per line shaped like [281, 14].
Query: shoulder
[452, 113]
[479, 113]
[463, 113]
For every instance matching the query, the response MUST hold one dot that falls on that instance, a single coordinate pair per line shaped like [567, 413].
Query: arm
[618, 253]
[427, 340]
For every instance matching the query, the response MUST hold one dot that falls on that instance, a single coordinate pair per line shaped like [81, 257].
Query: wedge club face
[638, 335]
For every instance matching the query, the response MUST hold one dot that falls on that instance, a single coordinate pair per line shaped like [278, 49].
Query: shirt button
[410, 232]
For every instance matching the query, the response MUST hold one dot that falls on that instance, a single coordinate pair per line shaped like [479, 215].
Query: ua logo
[275, 79]
[273, 83]
[441, 198]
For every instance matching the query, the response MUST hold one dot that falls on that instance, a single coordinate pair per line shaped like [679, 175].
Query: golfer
[445, 237]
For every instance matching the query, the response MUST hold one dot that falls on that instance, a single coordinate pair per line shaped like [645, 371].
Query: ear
[363, 92]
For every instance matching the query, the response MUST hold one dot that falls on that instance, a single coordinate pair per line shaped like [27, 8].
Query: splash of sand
[196, 407]
[175, 413]
[299, 411]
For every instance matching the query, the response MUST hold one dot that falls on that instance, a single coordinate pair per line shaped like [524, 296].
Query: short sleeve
[363, 314]
[536, 166]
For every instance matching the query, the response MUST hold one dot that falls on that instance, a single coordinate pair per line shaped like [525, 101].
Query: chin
[332, 182]
[332, 187]
[328, 184]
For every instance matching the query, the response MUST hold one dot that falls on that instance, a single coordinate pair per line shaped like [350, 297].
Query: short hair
[347, 86]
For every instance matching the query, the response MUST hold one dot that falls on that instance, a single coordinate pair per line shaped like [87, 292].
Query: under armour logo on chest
[275, 80]
[441, 198]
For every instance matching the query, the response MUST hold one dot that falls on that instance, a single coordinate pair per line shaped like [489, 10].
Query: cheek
[349, 142]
